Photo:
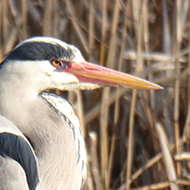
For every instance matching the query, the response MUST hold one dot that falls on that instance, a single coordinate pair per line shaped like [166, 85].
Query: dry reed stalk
[163, 185]
[47, 22]
[168, 160]
[91, 30]
[71, 98]
[183, 182]
[80, 112]
[157, 186]
[186, 132]
[1, 42]
[89, 184]
[105, 98]
[149, 111]
[103, 32]
[4, 26]
[182, 156]
[55, 30]
[188, 76]
[139, 67]
[24, 18]
[166, 30]
[103, 135]
[177, 82]
[98, 109]
[167, 49]
[94, 160]
[151, 56]
[131, 140]
[117, 104]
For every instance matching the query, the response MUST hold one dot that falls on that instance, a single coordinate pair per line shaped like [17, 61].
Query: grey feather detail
[63, 107]
[18, 169]
[12, 175]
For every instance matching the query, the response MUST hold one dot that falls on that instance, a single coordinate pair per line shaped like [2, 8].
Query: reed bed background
[135, 139]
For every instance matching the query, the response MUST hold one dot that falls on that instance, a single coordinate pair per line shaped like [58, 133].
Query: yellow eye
[56, 63]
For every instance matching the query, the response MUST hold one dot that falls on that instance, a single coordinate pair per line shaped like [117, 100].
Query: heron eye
[56, 63]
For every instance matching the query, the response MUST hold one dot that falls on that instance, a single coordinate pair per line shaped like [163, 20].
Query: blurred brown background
[135, 139]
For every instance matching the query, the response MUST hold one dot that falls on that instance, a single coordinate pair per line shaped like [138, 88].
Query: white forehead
[77, 54]
[49, 40]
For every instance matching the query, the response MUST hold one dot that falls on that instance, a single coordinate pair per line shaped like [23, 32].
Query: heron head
[48, 63]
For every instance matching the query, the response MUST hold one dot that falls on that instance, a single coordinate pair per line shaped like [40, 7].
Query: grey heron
[45, 122]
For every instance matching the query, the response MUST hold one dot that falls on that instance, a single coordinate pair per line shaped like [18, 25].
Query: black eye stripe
[40, 51]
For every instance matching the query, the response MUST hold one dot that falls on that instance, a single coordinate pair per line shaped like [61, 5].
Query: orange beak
[91, 73]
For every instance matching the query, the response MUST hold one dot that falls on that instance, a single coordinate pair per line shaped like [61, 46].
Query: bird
[40, 134]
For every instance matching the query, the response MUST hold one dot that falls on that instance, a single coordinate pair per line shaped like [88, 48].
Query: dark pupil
[57, 62]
